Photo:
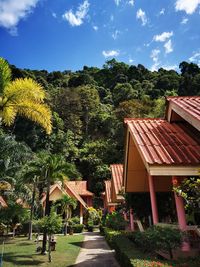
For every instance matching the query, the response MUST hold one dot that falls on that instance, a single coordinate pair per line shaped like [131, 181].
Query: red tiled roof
[80, 187]
[77, 196]
[3, 203]
[117, 176]
[191, 104]
[187, 105]
[73, 192]
[161, 142]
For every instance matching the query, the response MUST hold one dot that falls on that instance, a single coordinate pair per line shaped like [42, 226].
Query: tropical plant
[115, 221]
[66, 203]
[23, 97]
[51, 224]
[52, 167]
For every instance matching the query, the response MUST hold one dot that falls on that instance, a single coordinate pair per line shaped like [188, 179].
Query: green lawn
[21, 252]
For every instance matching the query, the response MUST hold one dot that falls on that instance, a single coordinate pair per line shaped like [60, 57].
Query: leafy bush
[158, 238]
[93, 215]
[74, 220]
[127, 254]
[51, 224]
[115, 221]
[78, 228]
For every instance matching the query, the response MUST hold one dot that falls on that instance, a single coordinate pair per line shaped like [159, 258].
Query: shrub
[78, 228]
[158, 238]
[115, 221]
[126, 252]
[74, 220]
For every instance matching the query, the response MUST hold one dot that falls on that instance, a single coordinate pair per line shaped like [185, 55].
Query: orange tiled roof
[117, 176]
[161, 142]
[73, 192]
[186, 106]
[191, 104]
[80, 187]
[3, 202]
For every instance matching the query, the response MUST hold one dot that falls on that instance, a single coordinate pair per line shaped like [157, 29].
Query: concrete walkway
[95, 252]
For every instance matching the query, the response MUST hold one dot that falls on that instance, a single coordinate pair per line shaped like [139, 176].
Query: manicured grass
[21, 252]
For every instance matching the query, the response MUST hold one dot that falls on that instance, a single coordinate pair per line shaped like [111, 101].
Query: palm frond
[8, 115]
[23, 89]
[38, 113]
[5, 74]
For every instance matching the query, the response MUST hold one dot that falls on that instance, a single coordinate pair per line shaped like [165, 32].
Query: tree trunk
[50, 258]
[47, 212]
[31, 215]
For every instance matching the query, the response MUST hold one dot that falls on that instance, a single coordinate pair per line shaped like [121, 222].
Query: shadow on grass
[17, 261]
[28, 243]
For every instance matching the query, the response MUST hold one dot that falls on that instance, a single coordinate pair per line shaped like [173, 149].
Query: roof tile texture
[117, 176]
[190, 104]
[161, 142]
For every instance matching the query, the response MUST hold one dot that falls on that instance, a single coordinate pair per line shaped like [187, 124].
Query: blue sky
[68, 34]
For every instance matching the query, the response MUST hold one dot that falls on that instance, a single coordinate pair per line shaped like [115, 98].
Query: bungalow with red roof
[160, 153]
[75, 189]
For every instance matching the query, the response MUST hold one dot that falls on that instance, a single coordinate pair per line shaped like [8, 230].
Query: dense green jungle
[88, 108]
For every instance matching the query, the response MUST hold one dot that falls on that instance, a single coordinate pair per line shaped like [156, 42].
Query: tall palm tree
[22, 97]
[52, 167]
[66, 203]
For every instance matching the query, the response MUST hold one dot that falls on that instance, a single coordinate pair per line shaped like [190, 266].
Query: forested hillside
[88, 109]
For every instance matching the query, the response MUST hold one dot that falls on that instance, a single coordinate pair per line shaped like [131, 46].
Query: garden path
[95, 252]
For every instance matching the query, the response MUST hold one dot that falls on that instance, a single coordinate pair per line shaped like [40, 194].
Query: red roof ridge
[126, 120]
[180, 97]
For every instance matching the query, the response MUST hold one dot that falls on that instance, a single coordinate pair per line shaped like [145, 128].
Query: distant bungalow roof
[108, 193]
[163, 143]
[80, 187]
[117, 177]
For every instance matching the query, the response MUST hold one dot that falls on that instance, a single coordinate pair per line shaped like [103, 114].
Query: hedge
[126, 253]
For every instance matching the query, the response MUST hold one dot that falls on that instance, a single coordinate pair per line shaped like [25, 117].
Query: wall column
[153, 199]
[180, 209]
[81, 213]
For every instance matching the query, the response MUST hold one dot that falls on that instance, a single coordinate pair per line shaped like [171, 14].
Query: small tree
[66, 203]
[51, 224]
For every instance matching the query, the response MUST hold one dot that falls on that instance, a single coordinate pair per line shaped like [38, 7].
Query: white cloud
[184, 21]
[76, 18]
[117, 2]
[54, 15]
[163, 36]
[195, 57]
[115, 34]
[12, 11]
[170, 67]
[110, 53]
[142, 15]
[189, 6]
[95, 28]
[154, 54]
[155, 57]
[162, 11]
[131, 2]
[130, 60]
[168, 47]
